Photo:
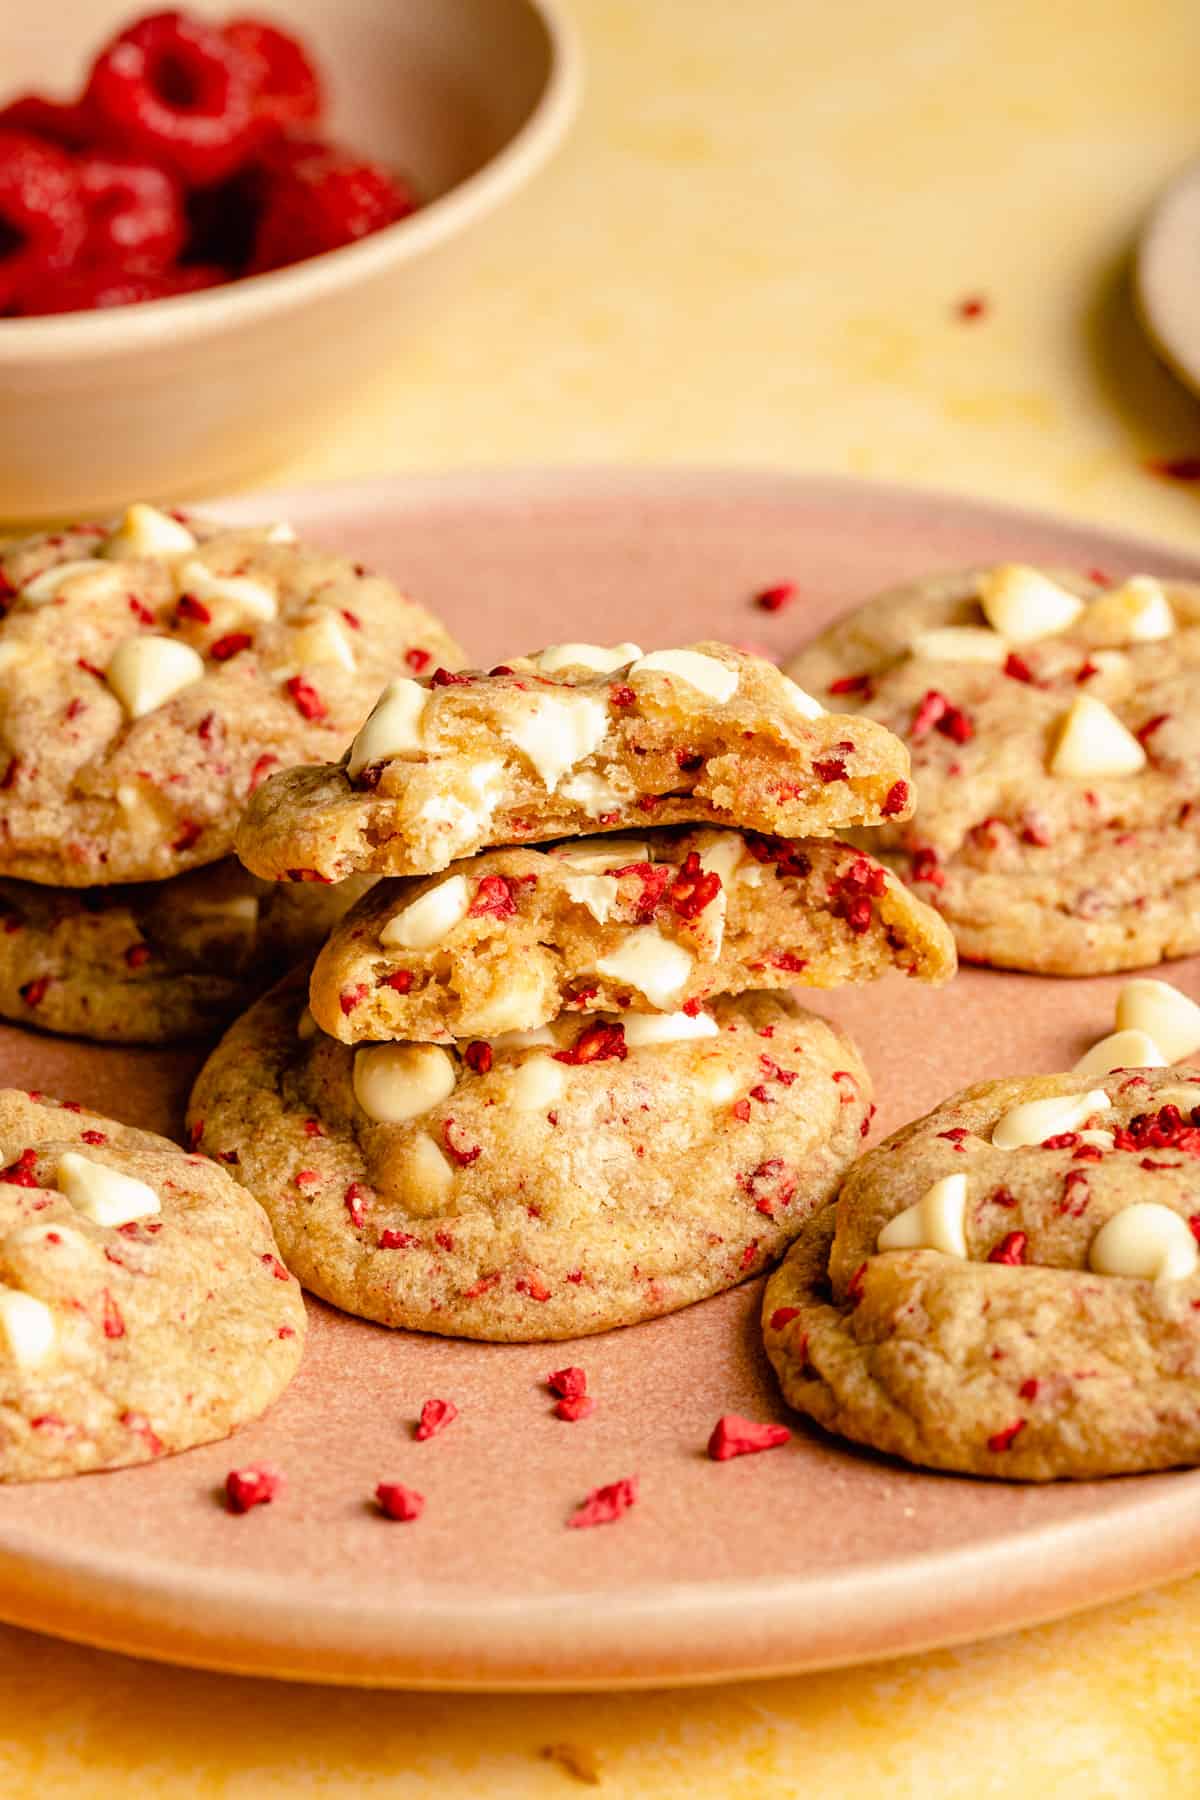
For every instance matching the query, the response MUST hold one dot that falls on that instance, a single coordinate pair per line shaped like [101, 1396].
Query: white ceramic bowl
[468, 97]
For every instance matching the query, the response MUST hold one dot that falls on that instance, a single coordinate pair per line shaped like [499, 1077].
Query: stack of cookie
[153, 675]
[546, 1091]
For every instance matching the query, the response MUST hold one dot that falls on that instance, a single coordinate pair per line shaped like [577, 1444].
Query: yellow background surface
[751, 252]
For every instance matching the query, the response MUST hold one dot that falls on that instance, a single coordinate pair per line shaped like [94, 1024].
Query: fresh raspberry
[173, 90]
[42, 221]
[87, 290]
[134, 211]
[286, 89]
[65, 123]
[316, 197]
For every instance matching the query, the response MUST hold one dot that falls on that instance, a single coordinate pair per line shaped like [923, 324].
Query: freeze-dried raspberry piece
[733, 1435]
[478, 1056]
[396, 1501]
[896, 799]
[569, 1383]
[435, 1416]
[463, 1154]
[693, 888]
[307, 701]
[42, 219]
[172, 89]
[317, 197]
[21, 1172]
[582, 1406]
[787, 857]
[1004, 1440]
[134, 211]
[598, 1043]
[853, 891]
[255, 1485]
[494, 895]
[232, 644]
[783, 1315]
[606, 1504]
[853, 684]
[1010, 1249]
[285, 86]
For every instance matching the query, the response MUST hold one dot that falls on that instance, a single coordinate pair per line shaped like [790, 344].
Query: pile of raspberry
[193, 156]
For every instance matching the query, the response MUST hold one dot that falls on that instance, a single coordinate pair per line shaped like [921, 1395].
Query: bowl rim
[213, 311]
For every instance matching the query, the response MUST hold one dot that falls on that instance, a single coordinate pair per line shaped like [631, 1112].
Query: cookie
[1055, 758]
[588, 1175]
[576, 739]
[154, 675]
[1011, 1285]
[510, 939]
[159, 962]
[143, 1308]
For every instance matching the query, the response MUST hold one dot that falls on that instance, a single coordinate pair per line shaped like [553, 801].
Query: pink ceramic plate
[809, 1556]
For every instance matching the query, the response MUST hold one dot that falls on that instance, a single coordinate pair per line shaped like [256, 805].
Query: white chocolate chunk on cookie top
[1023, 605]
[801, 700]
[598, 794]
[323, 640]
[1164, 1012]
[428, 920]
[961, 643]
[598, 893]
[537, 1082]
[667, 1028]
[251, 598]
[934, 1222]
[651, 963]
[392, 728]
[1036, 1120]
[598, 657]
[396, 1082]
[1146, 1240]
[1093, 743]
[145, 531]
[103, 1194]
[27, 1328]
[1121, 1050]
[87, 577]
[145, 672]
[705, 673]
[1138, 612]
[614, 853]
[556, 732]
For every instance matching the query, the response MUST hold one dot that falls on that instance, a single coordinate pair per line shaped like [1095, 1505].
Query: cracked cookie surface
[143, 1307]
[1032, 1307]
[574, 1180]
[154, 673]
[1058, 827]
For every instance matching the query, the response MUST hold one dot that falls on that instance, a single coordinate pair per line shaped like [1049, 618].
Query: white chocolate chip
[1093, 743]
[800, 700]
[597, 892]
[244, 593]
[27, 1327]
[280, 533]
[667, 1028]
[556, 732]
[463, 823]
[598, 794]
[146, 672]
[1022, 604]
[90, 579]
[1120, 1050]
[323, 640]
[1035, 1120]
[428, 1170]
[426, 921]
[1102, 1140]
[536, 1083]
[960, 643]
[1137, 612]
[135, 804]
[104, 1194]
[1146, 1240]
[1170, 1016]
[395, 1082]
[716, 679]
[934, 1222]
[145, 531]
[721, 853]
[585, 656]
[392, 727]
[609, 853]
[535, 1036]
[656, 966]
[718, 1085]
